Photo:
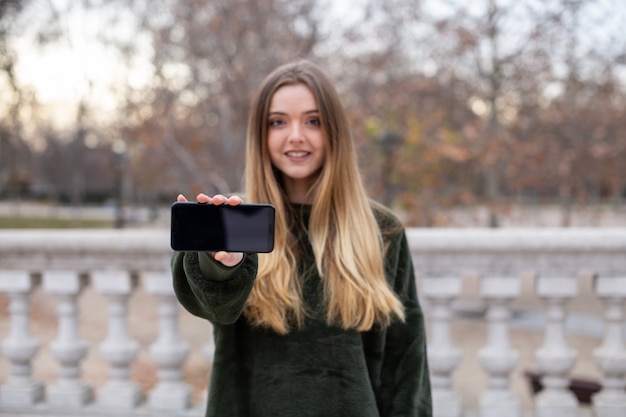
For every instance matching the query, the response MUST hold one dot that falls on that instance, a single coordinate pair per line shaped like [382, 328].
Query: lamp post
[389, 143]
[119, 152]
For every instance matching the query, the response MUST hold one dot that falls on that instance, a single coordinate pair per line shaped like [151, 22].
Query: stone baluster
[119, 349]
[555, 358]
[68, 348]
[498, 358]
[19, 347]
[611, 355]
[169, 351]
[443, 356]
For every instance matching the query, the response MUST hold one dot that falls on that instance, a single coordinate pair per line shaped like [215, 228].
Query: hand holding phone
[225, 258]
[222, 225]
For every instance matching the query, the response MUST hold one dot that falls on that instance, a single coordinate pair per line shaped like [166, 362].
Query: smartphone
[199, 227]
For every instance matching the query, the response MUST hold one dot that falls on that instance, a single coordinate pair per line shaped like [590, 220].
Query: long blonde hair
[346, 240]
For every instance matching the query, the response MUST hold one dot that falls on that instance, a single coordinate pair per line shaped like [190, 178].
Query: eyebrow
[281, 113]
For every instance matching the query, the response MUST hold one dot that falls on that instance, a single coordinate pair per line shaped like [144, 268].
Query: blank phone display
[206, 227]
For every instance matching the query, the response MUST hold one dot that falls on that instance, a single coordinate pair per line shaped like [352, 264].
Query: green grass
[51, 223]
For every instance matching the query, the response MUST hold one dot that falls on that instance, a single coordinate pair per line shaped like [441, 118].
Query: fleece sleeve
[211, 290]
[405, 380]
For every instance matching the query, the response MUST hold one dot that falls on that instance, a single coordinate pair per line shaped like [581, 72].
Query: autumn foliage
[450, 105]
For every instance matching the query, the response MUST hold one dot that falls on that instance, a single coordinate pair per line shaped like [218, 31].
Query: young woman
[328, 324]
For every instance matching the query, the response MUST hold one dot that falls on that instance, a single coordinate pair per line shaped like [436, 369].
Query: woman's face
[296, 139]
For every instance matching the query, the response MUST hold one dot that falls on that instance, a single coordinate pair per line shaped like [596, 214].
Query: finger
[220, 255]
[181, 198]
[234, 200]
[228, 258]
[218, 199]
[203, 198]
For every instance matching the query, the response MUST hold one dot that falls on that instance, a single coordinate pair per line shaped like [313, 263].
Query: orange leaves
[453, 152]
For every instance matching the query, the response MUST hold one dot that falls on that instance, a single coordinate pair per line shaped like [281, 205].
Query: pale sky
[66, 71]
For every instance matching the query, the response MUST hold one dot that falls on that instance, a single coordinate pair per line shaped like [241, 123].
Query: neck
[299, 192]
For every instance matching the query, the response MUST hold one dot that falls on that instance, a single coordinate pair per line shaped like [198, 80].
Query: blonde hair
[346, 240]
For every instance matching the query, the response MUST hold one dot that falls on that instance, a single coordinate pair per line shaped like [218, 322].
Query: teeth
[297, 154]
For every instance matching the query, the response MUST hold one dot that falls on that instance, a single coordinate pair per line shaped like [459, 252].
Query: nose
[295, 133]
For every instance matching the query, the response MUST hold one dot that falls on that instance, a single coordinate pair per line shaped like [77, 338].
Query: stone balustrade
[492, 268]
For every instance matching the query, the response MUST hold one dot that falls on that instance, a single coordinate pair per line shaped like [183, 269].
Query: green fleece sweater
[318, 370]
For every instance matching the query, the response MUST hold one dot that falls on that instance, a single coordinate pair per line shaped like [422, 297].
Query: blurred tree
[496, 49]
[14, 155]
[207, 58]
[570, 137]
[510, 57]
[487, 101]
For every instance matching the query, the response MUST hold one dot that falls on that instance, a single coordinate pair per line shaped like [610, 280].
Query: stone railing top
[436, 252]
[133, 249]
[506, 252]
[519, 240]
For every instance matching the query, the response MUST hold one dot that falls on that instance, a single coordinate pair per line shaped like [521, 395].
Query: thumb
[229, 258]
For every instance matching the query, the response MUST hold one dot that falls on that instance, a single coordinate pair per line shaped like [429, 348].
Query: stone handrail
[115, 263]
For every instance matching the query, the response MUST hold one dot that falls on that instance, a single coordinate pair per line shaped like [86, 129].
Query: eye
[314, 121]
[275, 122]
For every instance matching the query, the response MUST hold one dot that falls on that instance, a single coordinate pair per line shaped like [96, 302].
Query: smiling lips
[297, 154]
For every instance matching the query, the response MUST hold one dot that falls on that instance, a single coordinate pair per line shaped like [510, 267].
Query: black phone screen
[207, 227]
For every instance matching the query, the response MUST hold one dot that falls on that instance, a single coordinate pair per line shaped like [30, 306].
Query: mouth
[297, 154]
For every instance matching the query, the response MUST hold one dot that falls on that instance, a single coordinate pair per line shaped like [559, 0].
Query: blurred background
[488, 113]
